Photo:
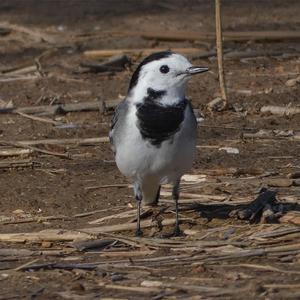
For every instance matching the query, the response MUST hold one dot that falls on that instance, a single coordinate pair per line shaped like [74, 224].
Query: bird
[154, 130]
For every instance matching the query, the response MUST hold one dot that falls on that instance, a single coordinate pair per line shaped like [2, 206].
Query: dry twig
[138, 52]
[44, 120]
[35, 149]
[237, 36]
[75, 141]
[16, 164]
[280, 110]
[14, 152]
[220, 53]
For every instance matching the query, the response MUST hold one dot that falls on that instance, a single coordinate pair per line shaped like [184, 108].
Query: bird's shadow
[265, 206]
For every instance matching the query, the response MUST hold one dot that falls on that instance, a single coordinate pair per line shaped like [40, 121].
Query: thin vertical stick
[220, 51]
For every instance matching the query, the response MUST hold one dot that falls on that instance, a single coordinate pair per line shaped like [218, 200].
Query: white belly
[139, 159]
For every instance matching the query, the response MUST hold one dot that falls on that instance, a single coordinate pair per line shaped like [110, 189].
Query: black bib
[157, 122]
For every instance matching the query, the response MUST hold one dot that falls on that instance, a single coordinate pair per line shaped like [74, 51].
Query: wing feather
[117, 122]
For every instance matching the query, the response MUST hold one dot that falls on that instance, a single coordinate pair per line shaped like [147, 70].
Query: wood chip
[292, 217]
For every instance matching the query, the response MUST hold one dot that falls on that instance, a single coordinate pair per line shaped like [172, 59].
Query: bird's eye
[164, 69]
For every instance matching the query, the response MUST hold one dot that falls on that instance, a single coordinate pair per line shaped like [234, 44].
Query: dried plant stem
[220, 51]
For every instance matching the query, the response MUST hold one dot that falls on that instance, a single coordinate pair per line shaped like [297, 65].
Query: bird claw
[139, 233]
[177, 232]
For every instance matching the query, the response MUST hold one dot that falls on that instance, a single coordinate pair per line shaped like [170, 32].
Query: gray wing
[193, 117]
[117, 123]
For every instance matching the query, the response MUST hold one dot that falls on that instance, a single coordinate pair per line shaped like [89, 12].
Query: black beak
[195, 70]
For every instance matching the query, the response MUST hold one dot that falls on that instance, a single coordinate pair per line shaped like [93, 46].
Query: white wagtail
[154, 129]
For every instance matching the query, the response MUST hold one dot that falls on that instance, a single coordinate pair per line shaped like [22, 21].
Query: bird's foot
[178, 232]
[138, 232]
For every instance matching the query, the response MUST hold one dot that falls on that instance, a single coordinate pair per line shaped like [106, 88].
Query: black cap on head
[148, 59]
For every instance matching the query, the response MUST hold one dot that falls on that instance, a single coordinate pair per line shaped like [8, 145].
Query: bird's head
[166, 72]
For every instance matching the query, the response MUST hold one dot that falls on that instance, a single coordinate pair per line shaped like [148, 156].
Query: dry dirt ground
[220, 256]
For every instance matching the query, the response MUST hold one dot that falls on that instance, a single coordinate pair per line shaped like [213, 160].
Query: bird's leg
[138, 232]
[175, 195]
[157, 195]
[138, 198]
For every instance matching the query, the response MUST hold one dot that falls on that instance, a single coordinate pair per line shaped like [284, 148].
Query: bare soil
[61, 187]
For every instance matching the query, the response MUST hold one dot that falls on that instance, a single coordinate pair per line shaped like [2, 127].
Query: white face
[168, 74]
